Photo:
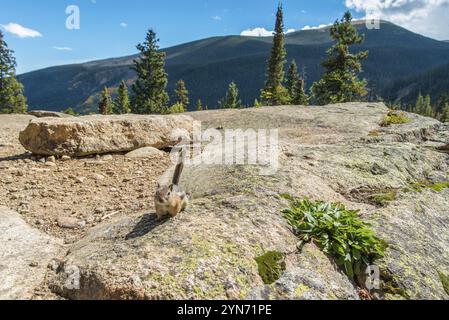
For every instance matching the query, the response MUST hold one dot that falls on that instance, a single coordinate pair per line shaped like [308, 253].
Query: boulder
[144, 153]
[24, 256]
[88, 135]
[326, 153]
[48, 114]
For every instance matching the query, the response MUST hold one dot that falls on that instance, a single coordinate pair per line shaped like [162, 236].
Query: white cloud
[123, 24]
[427, 17]
[20, 31]
[62, 48]
[260, 32]
[317, 27]
[216, 18]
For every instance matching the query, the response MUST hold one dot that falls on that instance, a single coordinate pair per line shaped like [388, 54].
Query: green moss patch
[271, 265]
[376, 197]
[383, 197]
[395, 117]
[445, 282]
[438, 186]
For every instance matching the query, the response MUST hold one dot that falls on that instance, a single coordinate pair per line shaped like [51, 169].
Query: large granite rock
[82, 136]
[24, 255]
[336, 153]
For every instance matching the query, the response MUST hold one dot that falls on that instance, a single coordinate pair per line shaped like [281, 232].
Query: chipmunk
[171, 199]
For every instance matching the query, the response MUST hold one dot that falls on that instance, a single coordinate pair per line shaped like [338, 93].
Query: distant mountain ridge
[207, 66]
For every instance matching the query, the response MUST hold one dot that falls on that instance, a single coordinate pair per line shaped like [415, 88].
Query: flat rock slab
[48, 114]
[24, 255]
[82, 136]
[145, 153]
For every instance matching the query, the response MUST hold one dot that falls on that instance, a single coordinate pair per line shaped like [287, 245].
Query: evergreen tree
[274, 92]
[231, 100]
[105, 104]
[70, 111]
[419, 107]
[12, 99]
[295, 86]
[121, 103]
[149, 91]
[445, 114]
[443, 100]
[177, 108]
[257, 104]
[182, 94]
[292, 79]
[340, 82]
[427, 110]
[199, 105]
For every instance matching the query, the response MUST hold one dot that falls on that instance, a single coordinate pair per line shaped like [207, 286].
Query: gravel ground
[65, 198]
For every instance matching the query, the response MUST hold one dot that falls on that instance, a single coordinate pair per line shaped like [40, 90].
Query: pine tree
[105, 104]
[121, 103]
[231, 100]
[419, 106]
[340, 82]
[257, 104]
[12, 99]
[70, 111]
[182, 94]
[274, 92]
[199, 105]
[427, 110]
[445, 114]
[149, 91]
[292, 79]
[443, 100]
[177, 108]
[295, 86]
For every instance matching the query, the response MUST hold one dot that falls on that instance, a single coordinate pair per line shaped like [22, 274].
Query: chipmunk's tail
[179, 168]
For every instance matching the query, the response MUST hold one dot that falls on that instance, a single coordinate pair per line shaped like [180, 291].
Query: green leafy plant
[394, 117]
[337, 231]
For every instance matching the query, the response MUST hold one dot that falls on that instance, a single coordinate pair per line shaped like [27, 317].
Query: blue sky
[36, 30]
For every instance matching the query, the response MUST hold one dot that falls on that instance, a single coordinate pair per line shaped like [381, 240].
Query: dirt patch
[67, 198]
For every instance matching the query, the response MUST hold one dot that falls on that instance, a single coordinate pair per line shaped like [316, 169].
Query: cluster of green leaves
[395, 117]
[338, 232]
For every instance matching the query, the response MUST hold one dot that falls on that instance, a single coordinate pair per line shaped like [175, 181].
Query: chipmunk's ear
[171, 187]
[158, 185]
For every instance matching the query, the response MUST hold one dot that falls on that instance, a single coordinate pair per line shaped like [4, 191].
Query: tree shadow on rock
[146, 224]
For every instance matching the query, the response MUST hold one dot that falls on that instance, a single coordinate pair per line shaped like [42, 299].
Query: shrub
[177, 108]
[394, 117]
[337, 231]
